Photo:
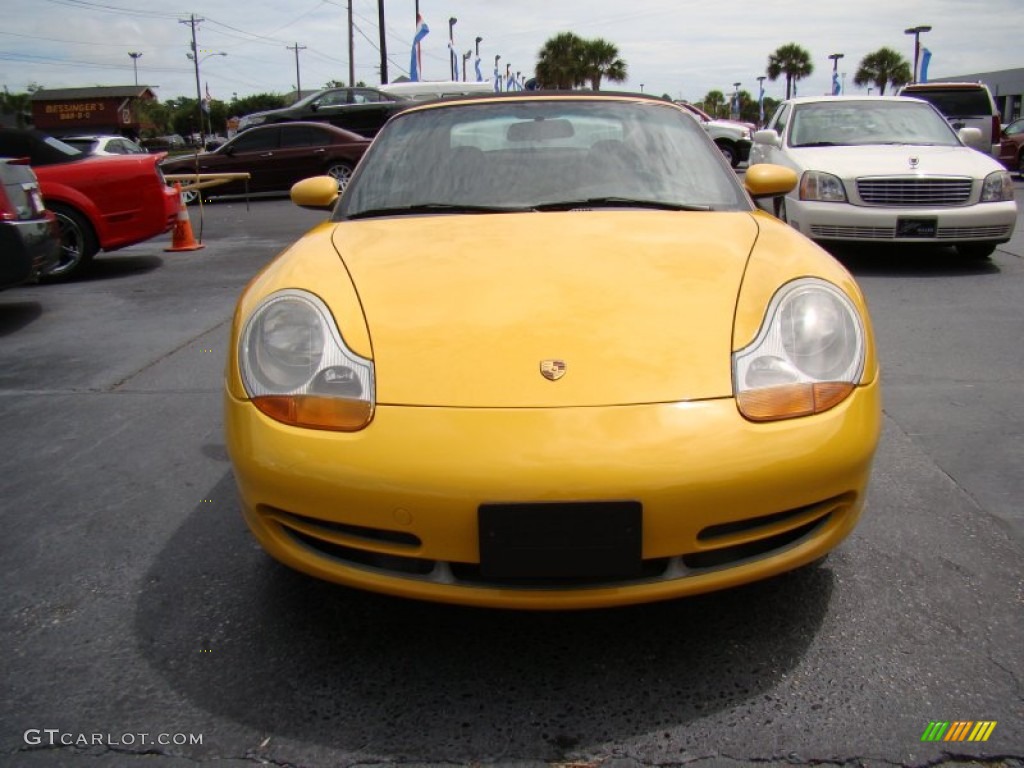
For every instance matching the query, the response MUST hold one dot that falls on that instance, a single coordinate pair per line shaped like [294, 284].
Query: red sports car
[101, 203]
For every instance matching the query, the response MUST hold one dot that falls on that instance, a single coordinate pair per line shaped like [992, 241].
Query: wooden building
[104, 109]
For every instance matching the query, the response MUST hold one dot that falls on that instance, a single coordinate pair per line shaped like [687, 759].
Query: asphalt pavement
[142, 625]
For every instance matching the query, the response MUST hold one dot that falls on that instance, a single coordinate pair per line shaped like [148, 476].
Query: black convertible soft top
[38, 147]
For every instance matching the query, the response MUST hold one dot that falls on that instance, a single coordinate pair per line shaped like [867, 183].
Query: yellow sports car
[546, 354]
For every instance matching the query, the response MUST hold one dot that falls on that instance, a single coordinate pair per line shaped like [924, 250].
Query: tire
[977, 251]
[1020, 165]
[729, 151]
[341, 173]
[78, 243]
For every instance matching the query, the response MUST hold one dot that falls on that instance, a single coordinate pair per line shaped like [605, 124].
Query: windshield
[857, 123]
[541, 154]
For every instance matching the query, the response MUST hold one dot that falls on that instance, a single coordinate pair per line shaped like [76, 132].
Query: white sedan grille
[913, 192]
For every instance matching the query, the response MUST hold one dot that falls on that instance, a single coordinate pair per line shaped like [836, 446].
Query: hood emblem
[914, 162]
[552, 370]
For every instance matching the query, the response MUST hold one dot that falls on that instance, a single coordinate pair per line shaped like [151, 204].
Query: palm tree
[601, 59]
[792, 61]
[882, 67]
[559, 63]
[714, 103]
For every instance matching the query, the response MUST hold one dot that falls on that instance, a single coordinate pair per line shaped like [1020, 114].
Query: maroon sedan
[276, 156]
[1011, 148]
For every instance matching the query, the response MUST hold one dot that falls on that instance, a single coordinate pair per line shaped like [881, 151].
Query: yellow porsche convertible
[547, 354]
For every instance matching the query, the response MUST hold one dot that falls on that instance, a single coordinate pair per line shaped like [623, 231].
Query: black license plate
[916, 227]
[577, 540]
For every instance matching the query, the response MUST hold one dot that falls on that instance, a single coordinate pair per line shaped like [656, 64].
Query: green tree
[882, 67]
[259, 102]
[714, 104]
[18, 105]
[560, 62]
[792, 61]
[601, 60]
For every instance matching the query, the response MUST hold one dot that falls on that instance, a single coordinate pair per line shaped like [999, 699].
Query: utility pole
[351, 49]
[383, 45]
[298, 80]
[192, 21]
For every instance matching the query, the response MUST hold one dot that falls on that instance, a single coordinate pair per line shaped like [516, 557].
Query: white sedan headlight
[998, 188]
[297, 369]
[821, 186]
[807, 357]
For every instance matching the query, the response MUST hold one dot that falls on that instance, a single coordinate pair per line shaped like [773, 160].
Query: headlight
[998, 187]
[807, 357]
[296, 367]
[824, 187]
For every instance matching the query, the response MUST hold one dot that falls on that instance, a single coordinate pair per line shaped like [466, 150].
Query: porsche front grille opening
[366, 533]
[413, 566]
[797, 517]
[717, 558]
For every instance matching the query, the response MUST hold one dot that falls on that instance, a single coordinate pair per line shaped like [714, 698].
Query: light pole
[916, 32]
[641, 87]
[734, 110]
[835, 57]
[451, 44]
[196, 60]
[135, 63]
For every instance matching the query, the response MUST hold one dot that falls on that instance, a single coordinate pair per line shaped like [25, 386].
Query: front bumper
[982, 222]
[395, 508]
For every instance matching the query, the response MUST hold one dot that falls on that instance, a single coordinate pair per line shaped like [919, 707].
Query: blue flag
[416, 64]
[926, 57]
[835, 84]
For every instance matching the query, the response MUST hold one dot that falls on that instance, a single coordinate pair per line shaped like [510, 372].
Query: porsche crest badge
[552, 370]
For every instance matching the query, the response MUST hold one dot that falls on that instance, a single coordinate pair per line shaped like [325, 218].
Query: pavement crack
[118, 384]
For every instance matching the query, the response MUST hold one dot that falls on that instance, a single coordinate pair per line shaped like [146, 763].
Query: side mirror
[318, 193]
[767, 136]
[970, 136]
[768, 180]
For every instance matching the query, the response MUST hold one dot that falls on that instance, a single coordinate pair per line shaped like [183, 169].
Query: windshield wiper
[427, 208]
[618, 202]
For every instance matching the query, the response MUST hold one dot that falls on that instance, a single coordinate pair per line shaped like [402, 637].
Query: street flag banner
[926, 57]
[760, 105]
[416, 65]
[479, 74]
[206, 100]
[835, 84]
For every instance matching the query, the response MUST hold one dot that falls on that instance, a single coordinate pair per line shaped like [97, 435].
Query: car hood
[895, 160]
[465, 310]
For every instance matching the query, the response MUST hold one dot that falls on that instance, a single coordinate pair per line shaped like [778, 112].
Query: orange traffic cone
[182, 239]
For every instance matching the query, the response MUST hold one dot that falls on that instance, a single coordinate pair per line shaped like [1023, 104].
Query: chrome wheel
[77, 242]
[342, 174]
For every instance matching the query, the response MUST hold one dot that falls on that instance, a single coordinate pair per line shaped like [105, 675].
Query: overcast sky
[680, 47]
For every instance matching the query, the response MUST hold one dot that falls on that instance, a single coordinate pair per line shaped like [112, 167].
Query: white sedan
[885, 169]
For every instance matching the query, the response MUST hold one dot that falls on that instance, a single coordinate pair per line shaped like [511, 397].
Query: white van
[438, 89]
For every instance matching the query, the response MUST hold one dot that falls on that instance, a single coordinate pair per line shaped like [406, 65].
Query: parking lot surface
[138, 612]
